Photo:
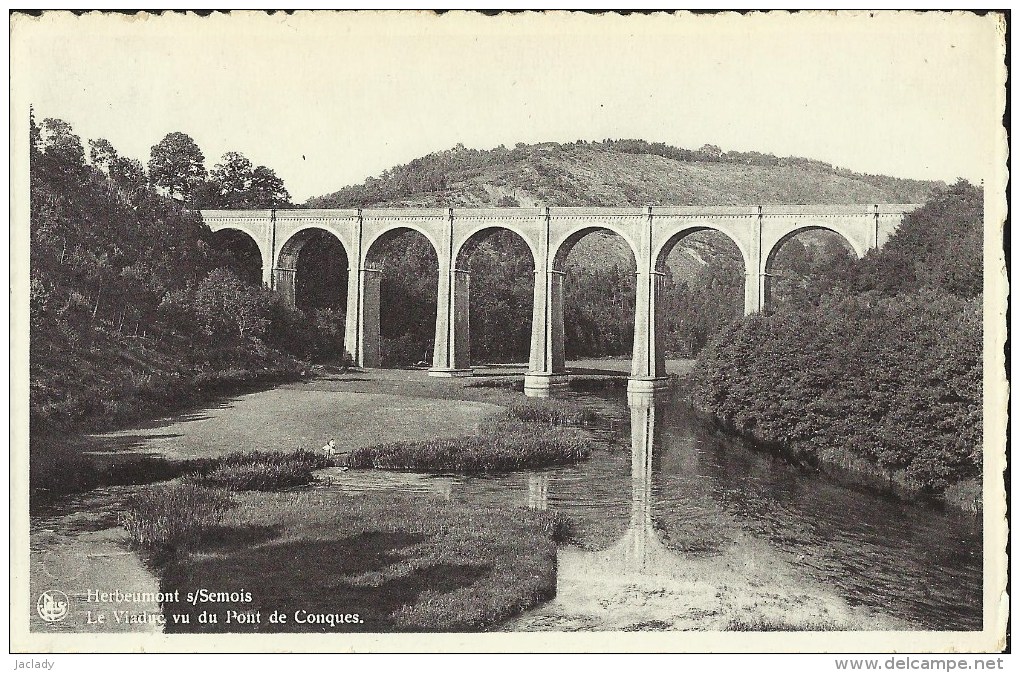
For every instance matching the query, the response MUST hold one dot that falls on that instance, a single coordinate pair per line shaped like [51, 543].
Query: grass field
[400, 563]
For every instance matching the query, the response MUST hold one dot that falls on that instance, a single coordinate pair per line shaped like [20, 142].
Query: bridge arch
[684, 321]
[398, 302]
[771, 255]
[287, 278]
[385, 235]
[853, 243]
[593, 314]
[463, 250]
[245, 250]
[503, 291]
[562, 247]
[662, 254]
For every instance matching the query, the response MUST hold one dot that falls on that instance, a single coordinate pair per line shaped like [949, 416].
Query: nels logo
[52, 605]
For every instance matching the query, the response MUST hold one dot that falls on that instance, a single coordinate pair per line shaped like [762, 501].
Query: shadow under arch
[592, 263]
[701, 290]
[244, 256]
[775, 275]
[400, 281]
[312, 270]
[501, 267]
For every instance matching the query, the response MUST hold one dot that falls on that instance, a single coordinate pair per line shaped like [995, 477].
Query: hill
[622, 173]
[617, 173]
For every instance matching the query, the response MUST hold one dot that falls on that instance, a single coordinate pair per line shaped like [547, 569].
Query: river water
[667, 484]
[664, 492]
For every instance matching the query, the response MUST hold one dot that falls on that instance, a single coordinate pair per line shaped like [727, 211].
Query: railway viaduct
[550, 233]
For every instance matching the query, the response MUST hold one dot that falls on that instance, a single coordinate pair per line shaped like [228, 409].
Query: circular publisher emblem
[52, 605]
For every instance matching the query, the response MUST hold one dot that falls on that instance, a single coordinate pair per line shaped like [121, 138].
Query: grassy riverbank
[530, 434]
[398, 562]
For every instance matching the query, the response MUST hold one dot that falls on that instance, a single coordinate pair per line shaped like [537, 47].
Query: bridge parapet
[263, 214]
[839, 210]
[316, 214]
[597, 211]
[499, 213]
[405, 213]
[704, 211]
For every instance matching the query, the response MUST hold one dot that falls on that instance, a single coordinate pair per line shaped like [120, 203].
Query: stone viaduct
[651, 233]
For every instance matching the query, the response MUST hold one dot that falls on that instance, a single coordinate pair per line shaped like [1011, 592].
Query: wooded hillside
[882, 371]
[705, 287]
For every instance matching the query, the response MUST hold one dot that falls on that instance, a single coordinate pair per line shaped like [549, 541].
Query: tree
[938, 246]
[711, 151]
[267, 190]
[128, 173]
[61, 153]
[227, 306]
[102, 154]
[231, 180]
[236, 183]
[177, 164]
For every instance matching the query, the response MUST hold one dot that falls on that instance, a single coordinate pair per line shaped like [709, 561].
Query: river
[667, 495]
[670, 486]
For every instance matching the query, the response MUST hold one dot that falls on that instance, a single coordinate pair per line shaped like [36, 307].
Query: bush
[531, 433]
[514, 446]
[260, 470]
[550, 411]
[172, 516]
[896, 381]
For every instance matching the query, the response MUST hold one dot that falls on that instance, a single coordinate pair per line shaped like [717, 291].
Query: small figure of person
[330, 449]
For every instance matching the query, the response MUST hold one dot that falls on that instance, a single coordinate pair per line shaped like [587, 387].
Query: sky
[328, 99]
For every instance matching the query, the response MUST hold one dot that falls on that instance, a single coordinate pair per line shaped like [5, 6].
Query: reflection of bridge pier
[640, 550]
[538, 491]
[550, 233]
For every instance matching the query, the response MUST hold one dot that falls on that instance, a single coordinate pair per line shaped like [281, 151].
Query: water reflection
[674, 499]
[538, 491]
[639, 550]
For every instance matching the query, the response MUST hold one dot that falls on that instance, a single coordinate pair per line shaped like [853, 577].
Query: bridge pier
[452, 353]
[547, 365]
[648, 365]
[285, 283]
[370, 335]
[754, 281]
[362, 335]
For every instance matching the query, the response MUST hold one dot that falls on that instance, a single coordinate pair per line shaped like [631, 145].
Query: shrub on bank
[895, 381]
[531, 433]
[172, 516]
[260, 470]
[549, 411]
[513, 446]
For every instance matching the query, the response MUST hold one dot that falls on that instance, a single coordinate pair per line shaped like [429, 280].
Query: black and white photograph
[509, 332]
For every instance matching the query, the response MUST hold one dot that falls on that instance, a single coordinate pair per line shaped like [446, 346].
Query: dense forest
[878, 369]
[133, 306]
